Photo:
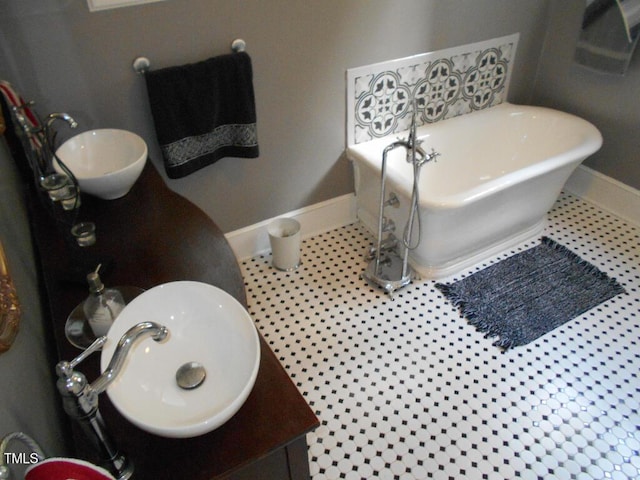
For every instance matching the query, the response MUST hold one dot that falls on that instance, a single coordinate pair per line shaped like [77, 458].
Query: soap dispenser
[102, 306]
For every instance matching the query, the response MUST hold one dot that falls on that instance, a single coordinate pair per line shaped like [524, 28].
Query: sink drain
[190, 375]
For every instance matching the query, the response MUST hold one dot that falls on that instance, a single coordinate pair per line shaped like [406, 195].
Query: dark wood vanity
[149, 237]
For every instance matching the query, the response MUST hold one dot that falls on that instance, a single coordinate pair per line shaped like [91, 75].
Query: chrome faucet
[80, 398]
[383, 270]
[50, 139]
[157, 332]
[59, 116]
[37, 137]
[413, 143]
[415, 153]
[37, 129]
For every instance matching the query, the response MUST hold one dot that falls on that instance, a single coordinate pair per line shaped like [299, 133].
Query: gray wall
[29, 401]
[68, 59]
[611, 102]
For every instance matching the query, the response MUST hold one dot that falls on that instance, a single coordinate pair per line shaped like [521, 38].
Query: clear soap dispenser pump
[102, 306]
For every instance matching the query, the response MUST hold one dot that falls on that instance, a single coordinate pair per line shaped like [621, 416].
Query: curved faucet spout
[52, 117]
[156, 331]
[50, 136]
[80, 400]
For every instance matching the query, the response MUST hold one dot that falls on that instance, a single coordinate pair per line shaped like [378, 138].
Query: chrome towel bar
[141, 65]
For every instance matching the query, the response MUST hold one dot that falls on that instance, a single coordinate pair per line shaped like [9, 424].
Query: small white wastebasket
[284, 236]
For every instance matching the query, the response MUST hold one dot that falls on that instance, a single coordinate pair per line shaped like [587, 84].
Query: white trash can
[284, 236]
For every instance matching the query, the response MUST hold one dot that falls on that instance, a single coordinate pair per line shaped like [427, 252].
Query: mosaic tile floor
[406, 389]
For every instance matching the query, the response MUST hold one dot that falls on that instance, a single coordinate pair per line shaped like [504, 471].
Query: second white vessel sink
[206, 326]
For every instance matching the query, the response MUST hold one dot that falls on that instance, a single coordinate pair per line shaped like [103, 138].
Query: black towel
[203, 112]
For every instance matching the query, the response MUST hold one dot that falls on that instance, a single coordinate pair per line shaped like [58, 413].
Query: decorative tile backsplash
[444, 84]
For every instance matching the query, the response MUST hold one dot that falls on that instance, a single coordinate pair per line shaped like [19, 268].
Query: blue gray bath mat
[529, 294]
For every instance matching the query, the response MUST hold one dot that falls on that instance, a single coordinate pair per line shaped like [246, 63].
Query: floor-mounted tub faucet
[384, 270]
[80, 398]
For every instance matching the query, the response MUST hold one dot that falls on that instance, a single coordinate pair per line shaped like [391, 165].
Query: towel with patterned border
[203, 112]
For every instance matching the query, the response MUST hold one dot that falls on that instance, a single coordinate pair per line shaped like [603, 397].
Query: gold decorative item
[9, 306]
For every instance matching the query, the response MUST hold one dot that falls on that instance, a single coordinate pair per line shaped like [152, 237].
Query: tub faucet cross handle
[423, 157]
[433, 155]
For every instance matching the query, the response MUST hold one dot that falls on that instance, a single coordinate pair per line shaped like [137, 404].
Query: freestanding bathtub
[499, 172]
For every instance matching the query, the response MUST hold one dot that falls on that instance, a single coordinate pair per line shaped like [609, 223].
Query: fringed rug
[531, 293]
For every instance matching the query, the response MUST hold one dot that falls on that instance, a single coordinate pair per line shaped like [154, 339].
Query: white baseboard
[605, 192]
[321, 217]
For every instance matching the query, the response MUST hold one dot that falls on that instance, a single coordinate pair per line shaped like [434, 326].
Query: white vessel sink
[206, 325]
[106, 162]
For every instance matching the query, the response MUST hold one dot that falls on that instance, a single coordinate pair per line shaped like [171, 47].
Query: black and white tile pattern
[405, 388]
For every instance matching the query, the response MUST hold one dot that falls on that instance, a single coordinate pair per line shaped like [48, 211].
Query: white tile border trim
[605, 192]
[314, 219]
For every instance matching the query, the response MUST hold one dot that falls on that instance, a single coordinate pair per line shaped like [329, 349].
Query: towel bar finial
[238, 45]
[141, 65]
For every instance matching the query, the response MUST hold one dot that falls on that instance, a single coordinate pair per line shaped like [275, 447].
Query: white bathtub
[499, 173]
